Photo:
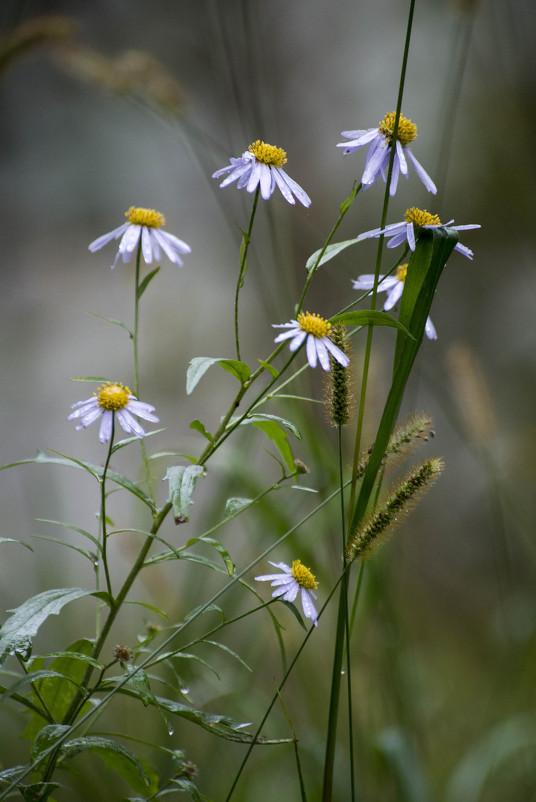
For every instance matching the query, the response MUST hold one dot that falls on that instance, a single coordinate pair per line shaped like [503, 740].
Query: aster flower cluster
[112, 400]
[294, 579]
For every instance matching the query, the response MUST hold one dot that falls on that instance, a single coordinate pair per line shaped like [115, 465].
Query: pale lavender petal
[364, 282]
[374, 164]
[359, 138]
[129, 424]
[298, 340]
[89, 417]
[397, 239]
[219, 173]
[146, 245]
[411, 236]
[463, 249]
[310, 350]
[238, 172]
[293, 323]
[430, 330]
[130, 239]
[394, 177]
[401, 158]
[322, 352]
[295, 188]
[162, 239]
[142, 410]
[174, 241]
[423, 175]
[464, 228]
[106, 238]
[105, 431]
[288, 592]
[394, 295]
[336, 352]
[309, 609]
[255, 176]
[283, 566]
[283, 186]
[286, 335]
[266, 181]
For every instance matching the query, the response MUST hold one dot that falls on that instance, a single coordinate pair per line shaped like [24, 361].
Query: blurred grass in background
[128, 103]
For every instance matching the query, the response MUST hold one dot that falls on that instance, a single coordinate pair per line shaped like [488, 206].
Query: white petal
[106, 238]
[373, 165]
[105, 431]
[394, 295]
[421, 172]
[462, 249]
[129, 424]
[464, 228]
[339, 355]
[322, 352]
[298, 340]
[130, 240]
[309, 609]
[255, 177]
[283, 187]
[394, 177]
[174, 242]
[411, 236]
[266, 181]
[430, 330]
[89, 417]
[146, 245]
[286, 335]
[295, 188]
[289, 591]
[401, 158]
[311, 350]
[142, 410]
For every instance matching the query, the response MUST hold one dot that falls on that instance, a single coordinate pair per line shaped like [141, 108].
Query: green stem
[343, 209]
[104, 533]
[243, 267]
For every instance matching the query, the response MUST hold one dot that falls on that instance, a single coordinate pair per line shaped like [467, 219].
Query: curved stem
[104, 533]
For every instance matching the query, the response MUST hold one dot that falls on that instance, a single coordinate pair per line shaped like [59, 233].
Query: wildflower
[379, 153]
[262, 164]
[109, 400]
[316, 330]
[393, 286]
[122, 653]
[147, 224]
[290, 582]
[415, 220]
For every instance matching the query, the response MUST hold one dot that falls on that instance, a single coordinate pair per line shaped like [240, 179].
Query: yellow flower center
[113, 396]
[303, 576]
[402, 272]
[314, 324]
[420, 218]
[145, 217]
[268, 154]
[406, 133]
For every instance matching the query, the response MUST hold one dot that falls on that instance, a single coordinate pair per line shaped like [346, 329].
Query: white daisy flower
[109, 400]
[147, 224]
[411, 226]
[393, 286]
[315, 330]
[379, 152]
[262, 164]
[292, 580]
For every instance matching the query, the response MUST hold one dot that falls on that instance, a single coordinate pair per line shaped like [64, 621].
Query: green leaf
[47, 737]
[345, 205]
[14, 540]
[431, 253]
[199, 427]
[239, 370]
[25, 623]
[83, 552]
[150, 607]
[215, 544]
[270, 368]
[35, 676]
[145, 283]
[115, 756]
[235, 505]
[273, 430]
[96, 379]
[330, 252]
[369, 317]
[73, 528]
[95, 470]
[196, 370]
[182, 480]
[259, 416]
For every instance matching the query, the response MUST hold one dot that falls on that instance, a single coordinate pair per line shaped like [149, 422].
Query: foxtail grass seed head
[315, 331]
[113, 399]
[294, 579]
[415, 221]
[145, 225]
[261, 165]
[416, 429]
[337, 383]
[379, 526]
[380, 142]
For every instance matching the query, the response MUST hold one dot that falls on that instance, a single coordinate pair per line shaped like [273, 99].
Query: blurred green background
[127, 103]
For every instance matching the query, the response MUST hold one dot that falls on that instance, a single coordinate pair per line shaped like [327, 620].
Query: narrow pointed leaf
[182, 480]
[369, 317]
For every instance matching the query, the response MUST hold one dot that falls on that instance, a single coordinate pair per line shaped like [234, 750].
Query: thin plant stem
[342, 618]
[104, 533]
[243, 267]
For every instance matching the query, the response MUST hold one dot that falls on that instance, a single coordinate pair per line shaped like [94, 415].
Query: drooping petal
[128, 423]
[294, 187]
[142, 410]
[309, 609]
[105, 431]
[311, 352]
[298, 340]
[421, 172]
[336, 352]
[430, 330]
[322, 351]
[106, 238]
[146, 245]
[394, 295]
